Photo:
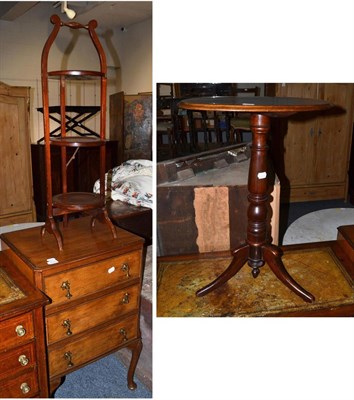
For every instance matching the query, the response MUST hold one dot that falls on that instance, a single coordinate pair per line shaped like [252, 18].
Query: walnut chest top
[81, 243]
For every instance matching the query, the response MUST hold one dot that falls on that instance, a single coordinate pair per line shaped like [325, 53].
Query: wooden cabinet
[23, 370]
[311, 151]
[94, 285]
[16, 203]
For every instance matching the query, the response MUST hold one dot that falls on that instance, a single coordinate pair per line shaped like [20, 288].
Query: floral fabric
[130, 182]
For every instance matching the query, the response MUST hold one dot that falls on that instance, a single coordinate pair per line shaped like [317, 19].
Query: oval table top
[257, 104]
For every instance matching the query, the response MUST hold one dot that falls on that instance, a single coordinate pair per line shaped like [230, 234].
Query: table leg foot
[240, 256]
[104, 218]
[136, 348]
[272, 257]
[51, 227]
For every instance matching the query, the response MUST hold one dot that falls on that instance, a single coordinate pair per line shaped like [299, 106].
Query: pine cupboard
[311, 152]
[16, 200]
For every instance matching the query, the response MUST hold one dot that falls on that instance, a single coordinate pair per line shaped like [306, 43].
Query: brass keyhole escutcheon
[20, 330]
[123, 332]
[25, 388]
[125, 268]
[67, 324]
[66, 286]
[68, 356]
[23, 360]
[125, 299]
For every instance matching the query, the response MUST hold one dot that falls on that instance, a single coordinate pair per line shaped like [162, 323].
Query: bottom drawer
[25, 385]
[73, 353]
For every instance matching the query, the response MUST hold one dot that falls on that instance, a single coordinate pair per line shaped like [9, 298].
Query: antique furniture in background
[23, 371]
[137, 220]
[94, 285]
[66, 202]
[345, 251]
[74, 123]
[130, 121]
[202, 202]
[257, 250]
[204, 89]
[311, 155]
[183, 132]
[165, 114]
[16, 203]
[351, 172]
[239, 124]
[130, 118]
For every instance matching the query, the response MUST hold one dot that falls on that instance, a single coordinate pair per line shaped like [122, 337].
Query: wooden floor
[315, 267]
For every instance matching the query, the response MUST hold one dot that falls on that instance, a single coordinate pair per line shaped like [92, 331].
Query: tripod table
[257, 250]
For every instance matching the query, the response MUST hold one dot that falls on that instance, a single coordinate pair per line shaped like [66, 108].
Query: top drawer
[81, 281]
[16, 331]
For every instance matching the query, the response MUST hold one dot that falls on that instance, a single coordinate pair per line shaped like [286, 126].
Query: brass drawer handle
[20, 330]
[66, 286]
[23, 360]
[125, 299]
[125, 268]
[68, 356]
[25, 388]
[123, 332]
[67, 324]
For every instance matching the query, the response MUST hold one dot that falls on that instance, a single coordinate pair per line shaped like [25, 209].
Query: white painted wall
[129, 60]
[136, 56]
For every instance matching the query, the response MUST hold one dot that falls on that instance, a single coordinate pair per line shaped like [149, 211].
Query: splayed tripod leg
[240, 258]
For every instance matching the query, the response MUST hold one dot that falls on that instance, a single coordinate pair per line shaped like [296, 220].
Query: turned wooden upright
[257, 250]
[65, 203]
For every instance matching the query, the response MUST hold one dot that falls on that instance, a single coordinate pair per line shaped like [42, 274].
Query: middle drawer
[77, 319]
[17, 359]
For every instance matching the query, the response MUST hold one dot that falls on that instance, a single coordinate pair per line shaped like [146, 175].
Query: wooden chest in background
[202, 202]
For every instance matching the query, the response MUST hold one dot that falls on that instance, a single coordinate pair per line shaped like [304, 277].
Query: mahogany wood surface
[89, 205]
[260, 104]
[83, 244]
[87, 348]
[94, 286]
[137, 220]
[82, 170]
[344, 249]
[28, 313]
[257, 249]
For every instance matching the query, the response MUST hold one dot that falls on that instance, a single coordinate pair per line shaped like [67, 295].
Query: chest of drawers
[23, 371]
[94, 287]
